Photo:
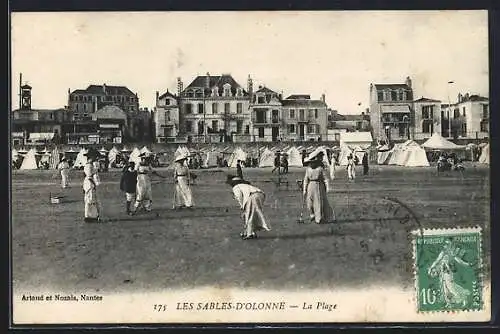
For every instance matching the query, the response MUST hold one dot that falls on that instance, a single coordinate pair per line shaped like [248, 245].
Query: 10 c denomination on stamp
[448, 275]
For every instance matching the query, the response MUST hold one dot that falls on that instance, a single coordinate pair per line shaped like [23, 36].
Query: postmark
[448, 276]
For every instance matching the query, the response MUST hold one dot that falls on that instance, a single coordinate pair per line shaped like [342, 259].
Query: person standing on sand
[365, 163]
[315, 189]
[63, 167]
[128, 184]
[239, 171]
[183, 194]
[144, 193]
[351, 168]
[90, 199]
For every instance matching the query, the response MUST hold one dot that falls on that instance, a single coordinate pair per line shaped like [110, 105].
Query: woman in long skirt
[351, 168]
[63, 167]
[315, 188]
[183, 194]
[90, 195]
[250, 200]
[144, 193]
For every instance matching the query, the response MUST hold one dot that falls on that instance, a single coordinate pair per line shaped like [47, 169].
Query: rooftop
[391, 86]
[303, 103]
[99, 90]
[215, 81]
[425, 99]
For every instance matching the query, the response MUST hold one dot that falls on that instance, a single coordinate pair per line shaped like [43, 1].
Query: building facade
[304, 119]
[166, 118]
[213, 109]
[391, 111]
[467, 118]
[267, 123]
[427, 118]
[84, 102]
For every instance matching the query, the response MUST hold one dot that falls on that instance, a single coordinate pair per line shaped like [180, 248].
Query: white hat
[180, 157]
[313, 155]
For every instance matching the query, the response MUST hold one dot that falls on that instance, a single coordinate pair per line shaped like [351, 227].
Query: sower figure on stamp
[315, 188]
[144, 193]
[63, 167]
[183, 196]
[451, 291]
[90, 193]
[128, 184]
[250, 200]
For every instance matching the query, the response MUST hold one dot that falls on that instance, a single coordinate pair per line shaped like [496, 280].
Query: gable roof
[474, 98]
[350, 117]
[215, 80]
[99, 90]
[425, 99]
[167, 93]
[265, 90]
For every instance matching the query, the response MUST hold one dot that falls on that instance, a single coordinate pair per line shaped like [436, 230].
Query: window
[427, 126]
[247, 129]
[317, 129]
[261, 99]
[239, 92]
[315, 113]
[292, 113]
[380, 96]
[189, 108]
[484, 125]
[239, 126]
[400, 95]
[239, 108]
[189, 127]
[291, 128]
[485, 111]
[261, 132]
[214, 108]
[200, 108]
[463, 111]
[311, 113]
[215, 126]
[302, 116]
[167, 102]
[77, 107]
[464, 129]
[227, 90]
[227, 108]
[167, 116]
[84, 107]
[456, 113]
[428, 112]
[201, 127]
[311, 129]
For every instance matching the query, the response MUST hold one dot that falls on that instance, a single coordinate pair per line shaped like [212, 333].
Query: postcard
[250, 167]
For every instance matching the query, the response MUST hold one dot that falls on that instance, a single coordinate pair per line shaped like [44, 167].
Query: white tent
[353, 139]
[266, 158]
[238, 154]
[294, 157]
[485, 155]
[81, 159]
[54, 158]
[345, 151]
[15, 154]
[145, 150]
[112, 154]
[29, 161]
[210, 159]
[437, 142]
[412, 155]
[135, 157]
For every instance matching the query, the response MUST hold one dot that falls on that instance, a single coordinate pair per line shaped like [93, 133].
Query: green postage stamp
[448, 273]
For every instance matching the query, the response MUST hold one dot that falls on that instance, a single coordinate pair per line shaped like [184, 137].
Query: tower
[26, 97]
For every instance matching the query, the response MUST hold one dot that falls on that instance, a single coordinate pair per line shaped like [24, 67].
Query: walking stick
[301, 218]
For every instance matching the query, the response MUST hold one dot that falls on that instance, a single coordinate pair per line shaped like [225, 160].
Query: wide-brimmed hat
[180, 157]
[314, 155]
[234, 180]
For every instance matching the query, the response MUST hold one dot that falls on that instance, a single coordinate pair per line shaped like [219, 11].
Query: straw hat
[314, 155]
[180, 157]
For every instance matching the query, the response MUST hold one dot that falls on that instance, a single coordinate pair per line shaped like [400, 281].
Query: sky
[336, 53]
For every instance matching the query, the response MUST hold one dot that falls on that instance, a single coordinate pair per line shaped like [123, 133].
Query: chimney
[408, 82]
[250, 86]
[323, 96]
[459, 98]
[207, 80]
[179, 86]
[157, 97]
[20, 95]
[104, 88]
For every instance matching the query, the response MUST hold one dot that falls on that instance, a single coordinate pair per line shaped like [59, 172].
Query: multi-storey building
[214, 108]
[166, 118]
[391, 110]
[267, 119]
[304, 119]
[427, 117]
[467, 118]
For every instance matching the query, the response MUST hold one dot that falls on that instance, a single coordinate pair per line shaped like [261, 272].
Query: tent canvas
[344, 153]
[437, 142]
[81, 159]
[113, 153]
[294, 157]
[145, 150]
[210, 159]
[416, 157]
[383, 157]
[135, 157]
[361, 139]
[485, 155]
[238, 154]
[54, 158]
[266, 158]
[29, 161]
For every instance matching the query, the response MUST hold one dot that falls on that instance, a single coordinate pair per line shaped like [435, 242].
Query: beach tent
[55, 158]
[344, 153]
[266, 158]
[238, 154]
[145, 150]
[294, 157]
[135, 157]
[485, 155]
[112, 154]
[81, 159]
[437, 142]
[210, 159]
[383, 155]
[396, 153]
[29, 161]
[356, 139]
[412, 155]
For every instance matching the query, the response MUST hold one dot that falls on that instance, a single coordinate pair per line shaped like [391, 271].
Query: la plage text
[62, 298]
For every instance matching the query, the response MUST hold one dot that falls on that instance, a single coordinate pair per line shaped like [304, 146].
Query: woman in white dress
[183, 195]
[250, 200]
[64, 170]
[351, 168]
[315, 189]
[144, 193]
[90, 195]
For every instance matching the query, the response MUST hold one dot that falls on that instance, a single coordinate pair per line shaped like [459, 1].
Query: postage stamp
[448, 270]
